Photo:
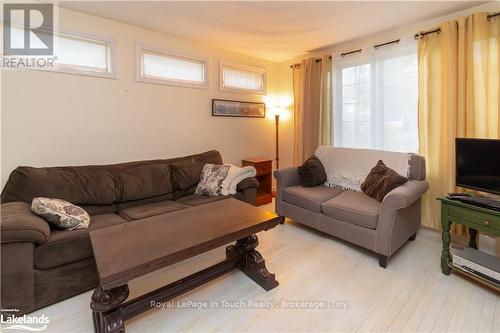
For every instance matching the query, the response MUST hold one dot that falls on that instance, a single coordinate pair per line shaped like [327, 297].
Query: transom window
[375, 100]
[162, 67]
[242, 78]
[75, 53]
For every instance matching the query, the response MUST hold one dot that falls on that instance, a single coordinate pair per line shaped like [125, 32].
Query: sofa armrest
[287, 177]
[403, 196]
[19, 224]
[247, 190]
[247, 183]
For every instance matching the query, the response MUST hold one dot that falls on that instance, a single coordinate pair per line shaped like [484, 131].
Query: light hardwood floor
[410, 295]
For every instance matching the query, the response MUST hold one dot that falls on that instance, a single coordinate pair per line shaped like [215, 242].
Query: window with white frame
[242, 78]
[76, 53]
[156, 66]
[376, 100]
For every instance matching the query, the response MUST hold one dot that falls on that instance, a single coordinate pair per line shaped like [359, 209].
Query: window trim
[139, 70]
[223, 64]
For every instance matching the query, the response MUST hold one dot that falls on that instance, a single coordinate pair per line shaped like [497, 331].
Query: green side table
[473, 217]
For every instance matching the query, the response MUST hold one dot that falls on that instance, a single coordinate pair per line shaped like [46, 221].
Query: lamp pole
[277, 121]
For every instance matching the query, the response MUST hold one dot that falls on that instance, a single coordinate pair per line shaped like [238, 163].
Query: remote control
[458, 194]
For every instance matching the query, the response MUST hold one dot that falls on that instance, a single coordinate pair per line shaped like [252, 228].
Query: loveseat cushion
[145, 181]
[65, 246]
[309, 198]
[197, 200]
[152, 209]
[354, 207]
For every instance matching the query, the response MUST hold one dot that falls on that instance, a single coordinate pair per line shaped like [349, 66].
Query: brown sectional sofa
[382, 227]
[42, 265]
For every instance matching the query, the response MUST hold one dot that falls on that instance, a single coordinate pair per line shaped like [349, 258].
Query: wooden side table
[475, 218]
[264, 169]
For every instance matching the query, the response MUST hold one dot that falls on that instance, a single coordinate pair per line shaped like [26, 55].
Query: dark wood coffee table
[130, 250]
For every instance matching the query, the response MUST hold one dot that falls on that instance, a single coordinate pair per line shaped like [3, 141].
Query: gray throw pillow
[211, 179]
[61, 213]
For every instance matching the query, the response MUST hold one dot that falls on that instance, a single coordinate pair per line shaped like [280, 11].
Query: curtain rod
[317, 60]
[438, 30]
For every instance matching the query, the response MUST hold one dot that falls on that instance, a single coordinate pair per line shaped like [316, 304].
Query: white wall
[53, 119]
[406, 33]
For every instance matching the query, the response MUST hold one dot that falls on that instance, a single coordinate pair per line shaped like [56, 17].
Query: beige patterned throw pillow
[61, 213]
[211, 179]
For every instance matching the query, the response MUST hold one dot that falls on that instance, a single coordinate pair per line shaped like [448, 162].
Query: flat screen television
[478, 164]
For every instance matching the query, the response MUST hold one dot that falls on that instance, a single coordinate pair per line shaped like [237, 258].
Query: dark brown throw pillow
[312, 172]
[381, 180]
[186, 173]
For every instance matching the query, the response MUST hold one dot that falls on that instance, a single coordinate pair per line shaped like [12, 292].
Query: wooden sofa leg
[282, 220]
[412, 237]
[382, 260]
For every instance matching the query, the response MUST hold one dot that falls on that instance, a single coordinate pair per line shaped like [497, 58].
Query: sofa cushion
[186, 174]
[309, 198]
[65, 246]
[151, 209]
[145, 181]
[353, 207]
[83, 185]
[196, 200]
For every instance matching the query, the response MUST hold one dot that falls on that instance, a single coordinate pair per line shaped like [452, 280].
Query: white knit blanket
[347, 168]
[234, 176]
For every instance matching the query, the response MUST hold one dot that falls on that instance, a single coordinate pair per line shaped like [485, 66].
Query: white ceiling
[275, 31]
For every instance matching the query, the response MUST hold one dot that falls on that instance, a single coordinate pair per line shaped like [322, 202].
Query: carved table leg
[253, 265]
[106, 314]
[473, 238]
[445, 255]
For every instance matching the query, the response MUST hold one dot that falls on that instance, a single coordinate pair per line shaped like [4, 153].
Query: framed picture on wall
[225, 108]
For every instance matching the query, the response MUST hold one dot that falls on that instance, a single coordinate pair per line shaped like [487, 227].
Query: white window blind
[75, 53]
[243, 78]
[375, 100]
[166, 68]
[83, 54]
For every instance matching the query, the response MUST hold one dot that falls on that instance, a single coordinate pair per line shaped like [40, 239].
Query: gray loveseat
[382, 227]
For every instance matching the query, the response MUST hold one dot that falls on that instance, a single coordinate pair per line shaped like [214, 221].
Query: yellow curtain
[297, 115]
[308, 108]
[458, 97]
[326, 102]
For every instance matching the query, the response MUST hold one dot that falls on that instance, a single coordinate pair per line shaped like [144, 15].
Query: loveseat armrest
[19, 224]
[287, 177]
[399, 217]
[247, 190]
[403, 196]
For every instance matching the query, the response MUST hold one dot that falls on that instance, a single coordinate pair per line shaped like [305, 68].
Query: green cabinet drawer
[482, 221]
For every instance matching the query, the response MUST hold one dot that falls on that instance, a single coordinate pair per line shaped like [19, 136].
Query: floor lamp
[277, 113]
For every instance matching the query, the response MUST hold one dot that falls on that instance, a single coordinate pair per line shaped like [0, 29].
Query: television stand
[485, 202]
[475, 218]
